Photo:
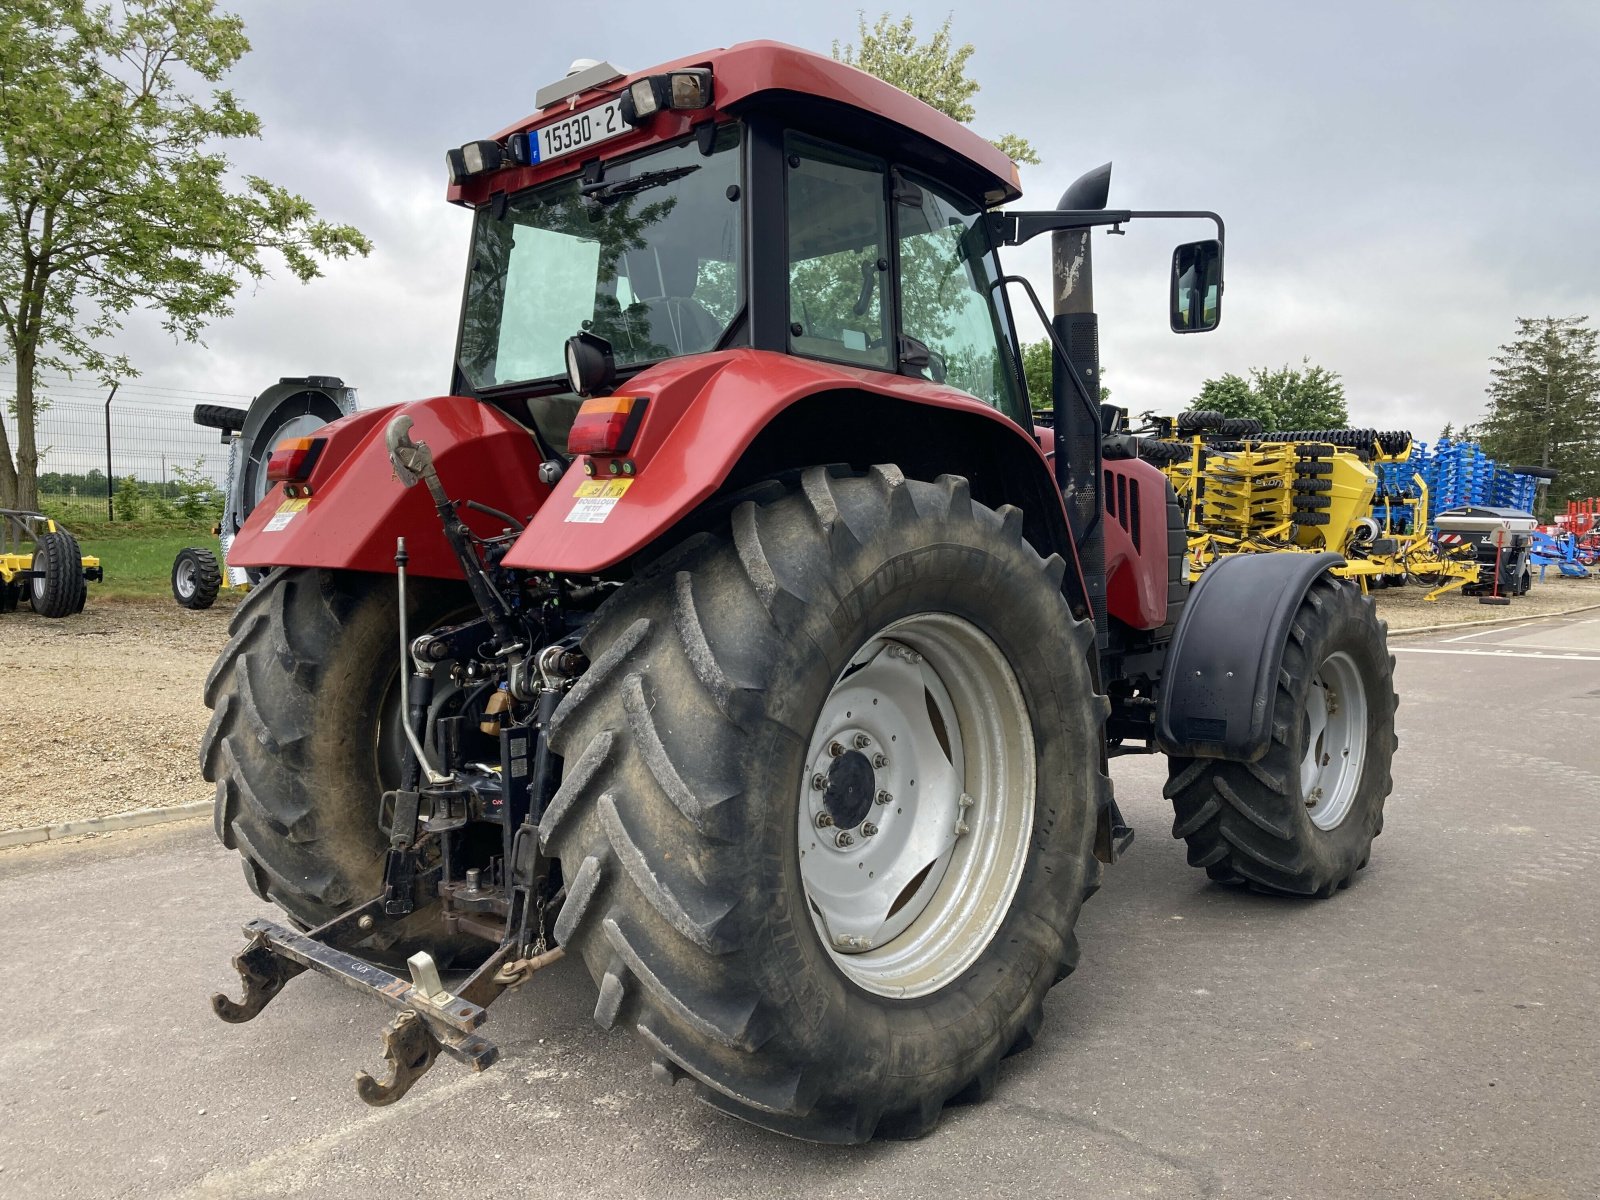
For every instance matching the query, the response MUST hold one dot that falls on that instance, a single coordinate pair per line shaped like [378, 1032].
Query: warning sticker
[595, 498]
[287, 512]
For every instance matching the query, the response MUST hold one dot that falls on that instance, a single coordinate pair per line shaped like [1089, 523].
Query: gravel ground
[1406, 608]
[101, 713]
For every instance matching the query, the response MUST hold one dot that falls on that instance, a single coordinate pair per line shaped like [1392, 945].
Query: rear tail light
[293, 458]
[606, 425]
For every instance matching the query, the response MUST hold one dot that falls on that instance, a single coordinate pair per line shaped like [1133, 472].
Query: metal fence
[140, 457]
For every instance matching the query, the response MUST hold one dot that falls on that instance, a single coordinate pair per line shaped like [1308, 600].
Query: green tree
[934, 71]
[1037, 358]
[1285, 398]
[115, 195]
[1544, 403]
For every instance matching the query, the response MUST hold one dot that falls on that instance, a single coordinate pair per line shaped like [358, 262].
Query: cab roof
[773, 76]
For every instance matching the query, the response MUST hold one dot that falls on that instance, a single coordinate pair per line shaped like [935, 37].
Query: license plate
[578, 131]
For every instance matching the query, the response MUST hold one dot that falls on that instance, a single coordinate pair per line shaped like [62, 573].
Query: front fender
[1221, 673]
[357, 507]
[702, 415]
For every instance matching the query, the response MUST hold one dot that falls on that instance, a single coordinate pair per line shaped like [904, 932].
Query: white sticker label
[287, 511]
[594, 500]
[592, 510]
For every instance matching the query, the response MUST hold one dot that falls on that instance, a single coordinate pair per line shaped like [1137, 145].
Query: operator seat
[677, 320]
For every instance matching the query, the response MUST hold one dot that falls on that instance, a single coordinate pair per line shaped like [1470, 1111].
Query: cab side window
[838, 222]
[946, 302]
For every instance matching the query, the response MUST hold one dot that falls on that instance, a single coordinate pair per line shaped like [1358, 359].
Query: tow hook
[431, 1020]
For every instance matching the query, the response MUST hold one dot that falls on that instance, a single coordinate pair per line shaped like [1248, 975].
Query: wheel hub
[848, 797]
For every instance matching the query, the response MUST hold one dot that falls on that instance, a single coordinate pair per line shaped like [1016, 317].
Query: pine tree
[1544, 403]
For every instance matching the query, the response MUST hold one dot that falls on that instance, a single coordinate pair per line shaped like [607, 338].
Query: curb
[110, 824]
[1525, 619]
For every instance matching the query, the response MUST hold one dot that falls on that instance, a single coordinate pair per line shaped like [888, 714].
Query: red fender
[702, 413]
[357, 507]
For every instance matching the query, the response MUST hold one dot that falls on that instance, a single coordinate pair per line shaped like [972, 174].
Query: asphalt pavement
[1433, 1031]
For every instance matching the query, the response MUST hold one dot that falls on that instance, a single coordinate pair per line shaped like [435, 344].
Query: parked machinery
[1246, 490]
[40, 562]
[291, 408]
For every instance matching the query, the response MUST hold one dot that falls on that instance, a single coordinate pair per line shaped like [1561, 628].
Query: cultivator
[1248, 491]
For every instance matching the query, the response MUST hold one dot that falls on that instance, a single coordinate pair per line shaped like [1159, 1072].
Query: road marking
[1480, 633]
[1477, 652]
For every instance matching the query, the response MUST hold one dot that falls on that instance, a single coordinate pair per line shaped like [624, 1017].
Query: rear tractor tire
[58, 588]
[304, 738]
[1301, 820]
[196, 578]
[830, 792]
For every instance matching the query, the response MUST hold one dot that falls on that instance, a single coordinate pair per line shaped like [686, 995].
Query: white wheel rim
[929, 715]
[185, 577]
[1336, 740]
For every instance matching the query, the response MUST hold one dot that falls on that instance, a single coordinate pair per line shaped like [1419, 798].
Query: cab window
[946, 301]
[838, 232]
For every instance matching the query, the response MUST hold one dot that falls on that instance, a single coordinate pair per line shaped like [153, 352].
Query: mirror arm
[1015, 228]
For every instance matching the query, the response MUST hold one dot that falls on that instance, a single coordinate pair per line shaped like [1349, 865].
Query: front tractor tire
[829, 797]
[304, 739]
[1301, 820]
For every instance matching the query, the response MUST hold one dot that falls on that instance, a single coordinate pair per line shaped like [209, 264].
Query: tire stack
[1313, 481]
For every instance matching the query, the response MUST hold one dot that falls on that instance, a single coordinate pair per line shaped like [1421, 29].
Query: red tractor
[745, 638]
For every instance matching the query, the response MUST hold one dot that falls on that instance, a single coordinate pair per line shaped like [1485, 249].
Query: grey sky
[1400, 181]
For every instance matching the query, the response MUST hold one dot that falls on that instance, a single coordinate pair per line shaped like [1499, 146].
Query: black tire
[675, 824]
[1248, 823]
[10, 594]
[196, 578]
[1304, 517]
[306, 677]
[220, 416]
[1197, 420]
[1315, 483]
[1308, 467]
[57, 588]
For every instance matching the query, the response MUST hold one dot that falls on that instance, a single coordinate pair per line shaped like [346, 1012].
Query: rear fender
[357, 507]
[1221, 674]
[719, 422]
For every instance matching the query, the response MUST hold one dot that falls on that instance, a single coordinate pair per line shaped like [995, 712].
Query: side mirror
[1196, 300]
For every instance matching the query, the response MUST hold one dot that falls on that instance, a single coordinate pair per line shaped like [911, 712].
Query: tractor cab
[740, 199]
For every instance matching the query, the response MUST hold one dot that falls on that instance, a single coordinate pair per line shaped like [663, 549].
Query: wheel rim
[916, 807]
[1336, 740]
[183, 578]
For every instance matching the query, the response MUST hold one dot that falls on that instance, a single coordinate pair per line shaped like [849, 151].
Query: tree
[1288, 398]
[115, 196]
[1037, 360]
[1544, 403]
[934, 71]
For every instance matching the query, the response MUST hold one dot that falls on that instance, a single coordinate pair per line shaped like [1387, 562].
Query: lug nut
[824, 820]
[885, 797]
[819, 781]
[835, 749]
[862, 741]
[868, 829]
[366, 923]
[880, 761]
[844, 839]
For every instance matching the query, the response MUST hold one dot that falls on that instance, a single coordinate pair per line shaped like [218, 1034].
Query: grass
[137, 555]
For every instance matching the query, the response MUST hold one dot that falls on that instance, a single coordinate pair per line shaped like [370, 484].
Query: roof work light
[677, 89]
